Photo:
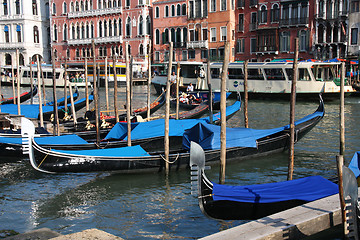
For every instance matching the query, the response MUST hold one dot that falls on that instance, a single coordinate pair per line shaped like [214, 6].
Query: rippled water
[149, 206]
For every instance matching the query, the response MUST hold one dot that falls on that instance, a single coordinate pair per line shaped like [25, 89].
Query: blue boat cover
[354, 164]
[75, 95]
[50, 140]
[32, 110]
[306, 189]
[156, 128]
[133, 151]
[208, 135]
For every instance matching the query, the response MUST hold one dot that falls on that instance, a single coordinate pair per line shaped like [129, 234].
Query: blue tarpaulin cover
[156, 128]
[306, 189]
[32, 110]
[133, 151]
[53, 140]
[208, 135]
[354, 164]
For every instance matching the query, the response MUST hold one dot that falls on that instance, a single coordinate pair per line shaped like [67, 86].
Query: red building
[110, 23]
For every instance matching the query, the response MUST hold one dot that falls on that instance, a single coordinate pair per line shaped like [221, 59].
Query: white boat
[268, 79]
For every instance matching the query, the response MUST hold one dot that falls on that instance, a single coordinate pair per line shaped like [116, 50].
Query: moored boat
[23, 97]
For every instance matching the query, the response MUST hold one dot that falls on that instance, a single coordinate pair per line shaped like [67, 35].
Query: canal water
[151, 206]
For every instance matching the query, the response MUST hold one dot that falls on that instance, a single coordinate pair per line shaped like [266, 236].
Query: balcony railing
[253, 26]
[266, 49]
[13, 45]
[241, 3]
[253, 3]
[95, 12]
[87, 41]
[293, 21]
[179, 44]
[198, 44]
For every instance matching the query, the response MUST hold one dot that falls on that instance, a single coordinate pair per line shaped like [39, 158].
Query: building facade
[354, 30]
[24, 26]
[110, 23]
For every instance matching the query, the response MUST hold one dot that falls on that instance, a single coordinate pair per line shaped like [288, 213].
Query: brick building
[110, 23]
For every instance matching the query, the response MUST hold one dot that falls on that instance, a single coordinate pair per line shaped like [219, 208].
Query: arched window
[82, 5]
[128, 27]
[65, 32]
[106, 33]
[77, 53]
[120, 27]
[173, 10]
[148, 25]
[275, 13]
[109, 4]
[178, 10]
[166, 36]
[5, 4]
[34, 7]
[183, 12]
[36, 34]
[73, 31]
[100, 51]
[53, 8]
[83, 30]
[100, 29]
[263, 14]
[141, 25]
[64, 7]
[87, 30]
[17, 6]
[55, 33]
[115, 28]
[141, 50]
[157, 12]
[77, 31]
[72, 9]
[19, 33]
[114, 4]
[99, 4]
[157, 36]
[21, 59]
[77, 6]
[166, 11]
[104, 51]
[6, 33]
[92, 30]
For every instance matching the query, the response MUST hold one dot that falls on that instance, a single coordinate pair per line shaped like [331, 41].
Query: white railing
[95, 12]
[12, 45]
[97, 40]
[198, 44]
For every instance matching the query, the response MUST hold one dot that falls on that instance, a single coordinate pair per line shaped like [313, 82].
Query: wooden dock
[295, 223]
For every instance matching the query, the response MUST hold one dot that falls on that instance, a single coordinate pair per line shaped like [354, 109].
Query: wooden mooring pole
[39, 92]
[292, 111]
[208, 78]
[31, 82]
[56, 114]
[128, 96]
[224, 76]
[13, 81]
[177, 89]
[246, 97]
[115, 90]
[149, 82]
[65, 88]
[18, 81]
[86, 85]
[73, 112]
[107, 85]
[43, 84]
[96, 96]
[167, 112]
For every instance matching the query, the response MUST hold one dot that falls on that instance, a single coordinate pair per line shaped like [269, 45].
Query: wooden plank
[295, 223]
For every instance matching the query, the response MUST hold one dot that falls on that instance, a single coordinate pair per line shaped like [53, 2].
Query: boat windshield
[274, 73]
[303, 74]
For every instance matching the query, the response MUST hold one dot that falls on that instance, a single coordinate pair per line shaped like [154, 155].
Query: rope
[209, 195]
[169, 161]
[43, 160]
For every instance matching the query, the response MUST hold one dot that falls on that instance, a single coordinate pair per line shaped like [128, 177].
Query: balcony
[95, 12]
[87, 41]
[266, 49]
[253, 26]
[293, 22]
[240, 4]
[197, 44]
[254, 3]
[13, 45]
[179, 44]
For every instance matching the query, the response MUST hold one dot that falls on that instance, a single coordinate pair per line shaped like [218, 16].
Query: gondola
[145, 157]
[249, 202]
[23, 97]
[32, 110]
[198, 98]
[195, 112]
[61, 101]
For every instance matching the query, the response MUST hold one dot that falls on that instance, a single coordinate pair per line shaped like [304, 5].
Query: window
[157, 56]
[55, 35]
[183, 11]
[5, 4]
[223, 33]
[53, 8]
[157, 12]
[127, 3]
[204, 34]
[157, 36]
[6, 33]
[173, 10]
[275, 13]
[148, 25]
[141, 50]
[263, 14]
[166, 11]
[184, 55]
[241, 22]
[18, 33]
[166, 36]
[303, 41]
[17, 7]
[223, 5]
[36, 34]
[212, 34]
[354, 36]
[204, 54]
[34, 7]
[354, 6]
[191, 54]
[240, 45]
[253, 45]
[65, 33]
[284, 41]
[141, 22]
[120, 27]
[178, 10]
[128, 27]
[64, 8]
